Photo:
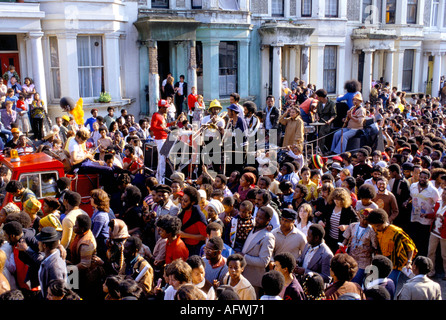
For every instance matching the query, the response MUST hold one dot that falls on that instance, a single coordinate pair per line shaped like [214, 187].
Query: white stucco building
[82, 48]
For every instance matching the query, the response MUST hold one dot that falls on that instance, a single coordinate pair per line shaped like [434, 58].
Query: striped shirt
[334, 224]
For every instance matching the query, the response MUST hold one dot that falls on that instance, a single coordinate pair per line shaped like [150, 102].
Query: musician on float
[160, 131]
[235, 136]
[215, 124]
[353, 122]
[213, 130]
[326, 111]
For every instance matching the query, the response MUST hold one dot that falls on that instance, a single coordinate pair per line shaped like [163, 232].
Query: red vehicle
[39, 172]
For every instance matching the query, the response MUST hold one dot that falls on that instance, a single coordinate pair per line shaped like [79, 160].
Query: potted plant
[105, 97]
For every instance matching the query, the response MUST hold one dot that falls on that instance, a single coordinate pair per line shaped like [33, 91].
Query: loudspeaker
[150, 156]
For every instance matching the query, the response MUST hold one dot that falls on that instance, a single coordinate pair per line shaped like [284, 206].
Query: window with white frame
[434, 15]
[412, 6]
[91, 66]
[331, 8]
[330, 68]
[54, 67]
[408, 69]
[306, 8]
[390, 11]
[277, 7]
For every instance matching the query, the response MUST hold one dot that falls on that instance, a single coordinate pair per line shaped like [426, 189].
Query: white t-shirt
[75, 146]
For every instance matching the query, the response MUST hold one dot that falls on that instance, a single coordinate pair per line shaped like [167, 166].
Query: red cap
[162, 103]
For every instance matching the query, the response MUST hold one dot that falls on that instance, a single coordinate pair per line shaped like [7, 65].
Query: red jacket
[156, 126]
[191, 99]
[433, 215]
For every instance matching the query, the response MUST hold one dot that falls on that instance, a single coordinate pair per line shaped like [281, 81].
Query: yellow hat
[15, 130]
[215, 104]
[51, 221]
[358, 96]
[32, 205]
[66, 118]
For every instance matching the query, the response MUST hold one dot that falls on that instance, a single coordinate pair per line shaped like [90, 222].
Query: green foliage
[105, 97]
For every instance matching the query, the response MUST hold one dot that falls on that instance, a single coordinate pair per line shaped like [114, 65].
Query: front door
[10, 58]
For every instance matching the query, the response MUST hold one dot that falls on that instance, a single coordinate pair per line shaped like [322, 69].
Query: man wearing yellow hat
[354, 122]
[213, 132]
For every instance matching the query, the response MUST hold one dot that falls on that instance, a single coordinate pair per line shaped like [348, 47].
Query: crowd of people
[336, 225]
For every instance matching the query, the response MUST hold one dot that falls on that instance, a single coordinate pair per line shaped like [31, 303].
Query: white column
[38, 64]
[304, 64]
[418, 64]
[317, 65]
[69, 78]
[388, 76]
[286, 8]
[292, 64]
[376, 56]
[192, 67]
[243, 76]
[112, 73]
[425, 72]
[210, 69]
[264, 73]
[401, 12]
[341, 70]
[436, 75]
[367, 77]
[277, 74]
[355, 65]
[154, 84]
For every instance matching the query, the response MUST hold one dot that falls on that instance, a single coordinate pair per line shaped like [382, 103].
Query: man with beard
[385, 199]
[377, 172]
[424, 196]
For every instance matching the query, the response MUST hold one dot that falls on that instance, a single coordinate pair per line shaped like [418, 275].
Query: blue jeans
[7, 133]
[339, 137]
[395, 275]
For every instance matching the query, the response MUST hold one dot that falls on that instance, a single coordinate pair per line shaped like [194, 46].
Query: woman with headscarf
[118, 234]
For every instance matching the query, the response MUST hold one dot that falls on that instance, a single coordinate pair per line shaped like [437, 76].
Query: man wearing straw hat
[354, 122]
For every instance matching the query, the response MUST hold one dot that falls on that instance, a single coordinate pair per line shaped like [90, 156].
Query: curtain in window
[331, 8]
[330, 68]
[435, 6]
[228, 4]
[90, 61]
[197, 4]
[412, 11]
[277, 7]
[54, 67]
[367, 11]
[306, 8]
